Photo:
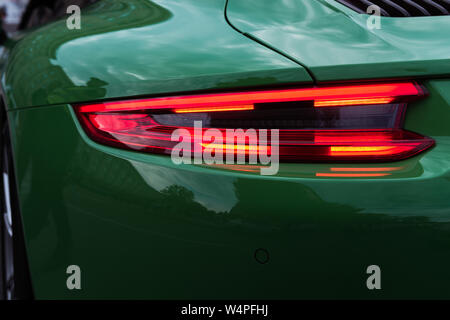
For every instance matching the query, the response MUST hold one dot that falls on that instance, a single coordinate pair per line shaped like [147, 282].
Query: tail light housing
[351, 123]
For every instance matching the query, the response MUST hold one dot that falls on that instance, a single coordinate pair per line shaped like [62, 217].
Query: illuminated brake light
[368, 127]
[352, 175]
[247, 149]
[375, 169]
[368, 151]
[215, 109]
[352, 102]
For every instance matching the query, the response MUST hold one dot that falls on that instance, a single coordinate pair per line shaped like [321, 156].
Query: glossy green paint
[135, 47]
[140, 226]
[335, 42]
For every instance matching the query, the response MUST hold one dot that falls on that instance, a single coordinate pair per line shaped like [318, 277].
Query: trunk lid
[336, 43]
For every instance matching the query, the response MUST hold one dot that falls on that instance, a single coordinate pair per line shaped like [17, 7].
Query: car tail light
[352, 123]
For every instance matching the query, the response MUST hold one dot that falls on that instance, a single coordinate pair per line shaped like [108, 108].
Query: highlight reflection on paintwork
[144, 63]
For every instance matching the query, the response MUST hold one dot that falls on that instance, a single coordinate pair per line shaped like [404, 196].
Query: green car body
[140, 226]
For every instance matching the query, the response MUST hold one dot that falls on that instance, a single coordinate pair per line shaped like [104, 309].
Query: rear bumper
[141, 227]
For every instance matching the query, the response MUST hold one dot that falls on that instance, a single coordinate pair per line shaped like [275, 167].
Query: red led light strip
[322, 96]
[352, 102]
[384, 169]
[352, 175]
[214, 109]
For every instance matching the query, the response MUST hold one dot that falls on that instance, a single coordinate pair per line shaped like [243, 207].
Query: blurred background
[11, 12]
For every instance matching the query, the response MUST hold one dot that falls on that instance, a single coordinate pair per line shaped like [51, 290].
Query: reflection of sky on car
[166, 62]
[14, 9]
